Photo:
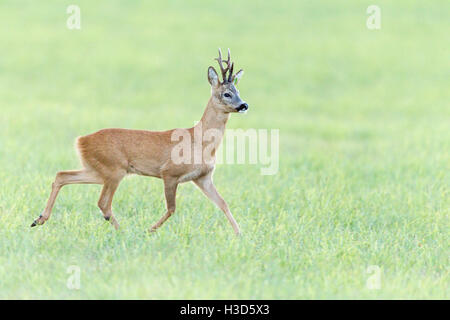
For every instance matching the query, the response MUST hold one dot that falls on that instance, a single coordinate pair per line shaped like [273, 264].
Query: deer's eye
[227, 95]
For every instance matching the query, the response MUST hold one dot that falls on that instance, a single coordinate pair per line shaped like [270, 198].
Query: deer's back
[136, 151]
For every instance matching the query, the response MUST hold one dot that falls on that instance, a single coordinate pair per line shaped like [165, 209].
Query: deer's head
[225, 94]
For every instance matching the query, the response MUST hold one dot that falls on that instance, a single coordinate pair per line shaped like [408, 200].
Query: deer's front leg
[170, 191]
[206, 184]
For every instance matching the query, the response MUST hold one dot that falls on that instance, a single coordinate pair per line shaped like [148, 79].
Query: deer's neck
[213, 123]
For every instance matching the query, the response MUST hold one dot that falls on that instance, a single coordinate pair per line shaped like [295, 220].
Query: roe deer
[109, 155]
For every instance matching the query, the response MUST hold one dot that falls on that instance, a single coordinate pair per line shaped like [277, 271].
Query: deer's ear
[213, 78]
[238, 76]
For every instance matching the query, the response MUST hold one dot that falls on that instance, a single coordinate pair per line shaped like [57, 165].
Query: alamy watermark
[74, 20]
[373, 21]
[251, 146]
[74, 279]
[374, 280]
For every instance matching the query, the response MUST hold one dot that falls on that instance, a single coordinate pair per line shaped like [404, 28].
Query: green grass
[364, 120]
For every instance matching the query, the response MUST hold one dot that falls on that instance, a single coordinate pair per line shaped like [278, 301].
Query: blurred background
[364, 148]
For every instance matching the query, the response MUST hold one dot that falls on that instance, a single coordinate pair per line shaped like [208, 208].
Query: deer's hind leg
[63, 178]
[105, 201]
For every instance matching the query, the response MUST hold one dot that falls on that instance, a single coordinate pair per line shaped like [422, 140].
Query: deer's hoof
[38, 221]
[151, 230]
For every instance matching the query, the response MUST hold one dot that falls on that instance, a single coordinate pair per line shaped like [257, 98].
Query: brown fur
[109, 155]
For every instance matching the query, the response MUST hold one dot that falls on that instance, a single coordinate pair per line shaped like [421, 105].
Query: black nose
[243, 107]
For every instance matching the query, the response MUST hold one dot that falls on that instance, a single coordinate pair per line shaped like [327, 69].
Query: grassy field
[364, 178]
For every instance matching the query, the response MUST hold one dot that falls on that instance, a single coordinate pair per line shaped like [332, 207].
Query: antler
[234, 75]
[230, 76]
[228, 68]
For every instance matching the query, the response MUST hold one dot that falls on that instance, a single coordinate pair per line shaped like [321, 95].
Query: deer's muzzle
[242, 108]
